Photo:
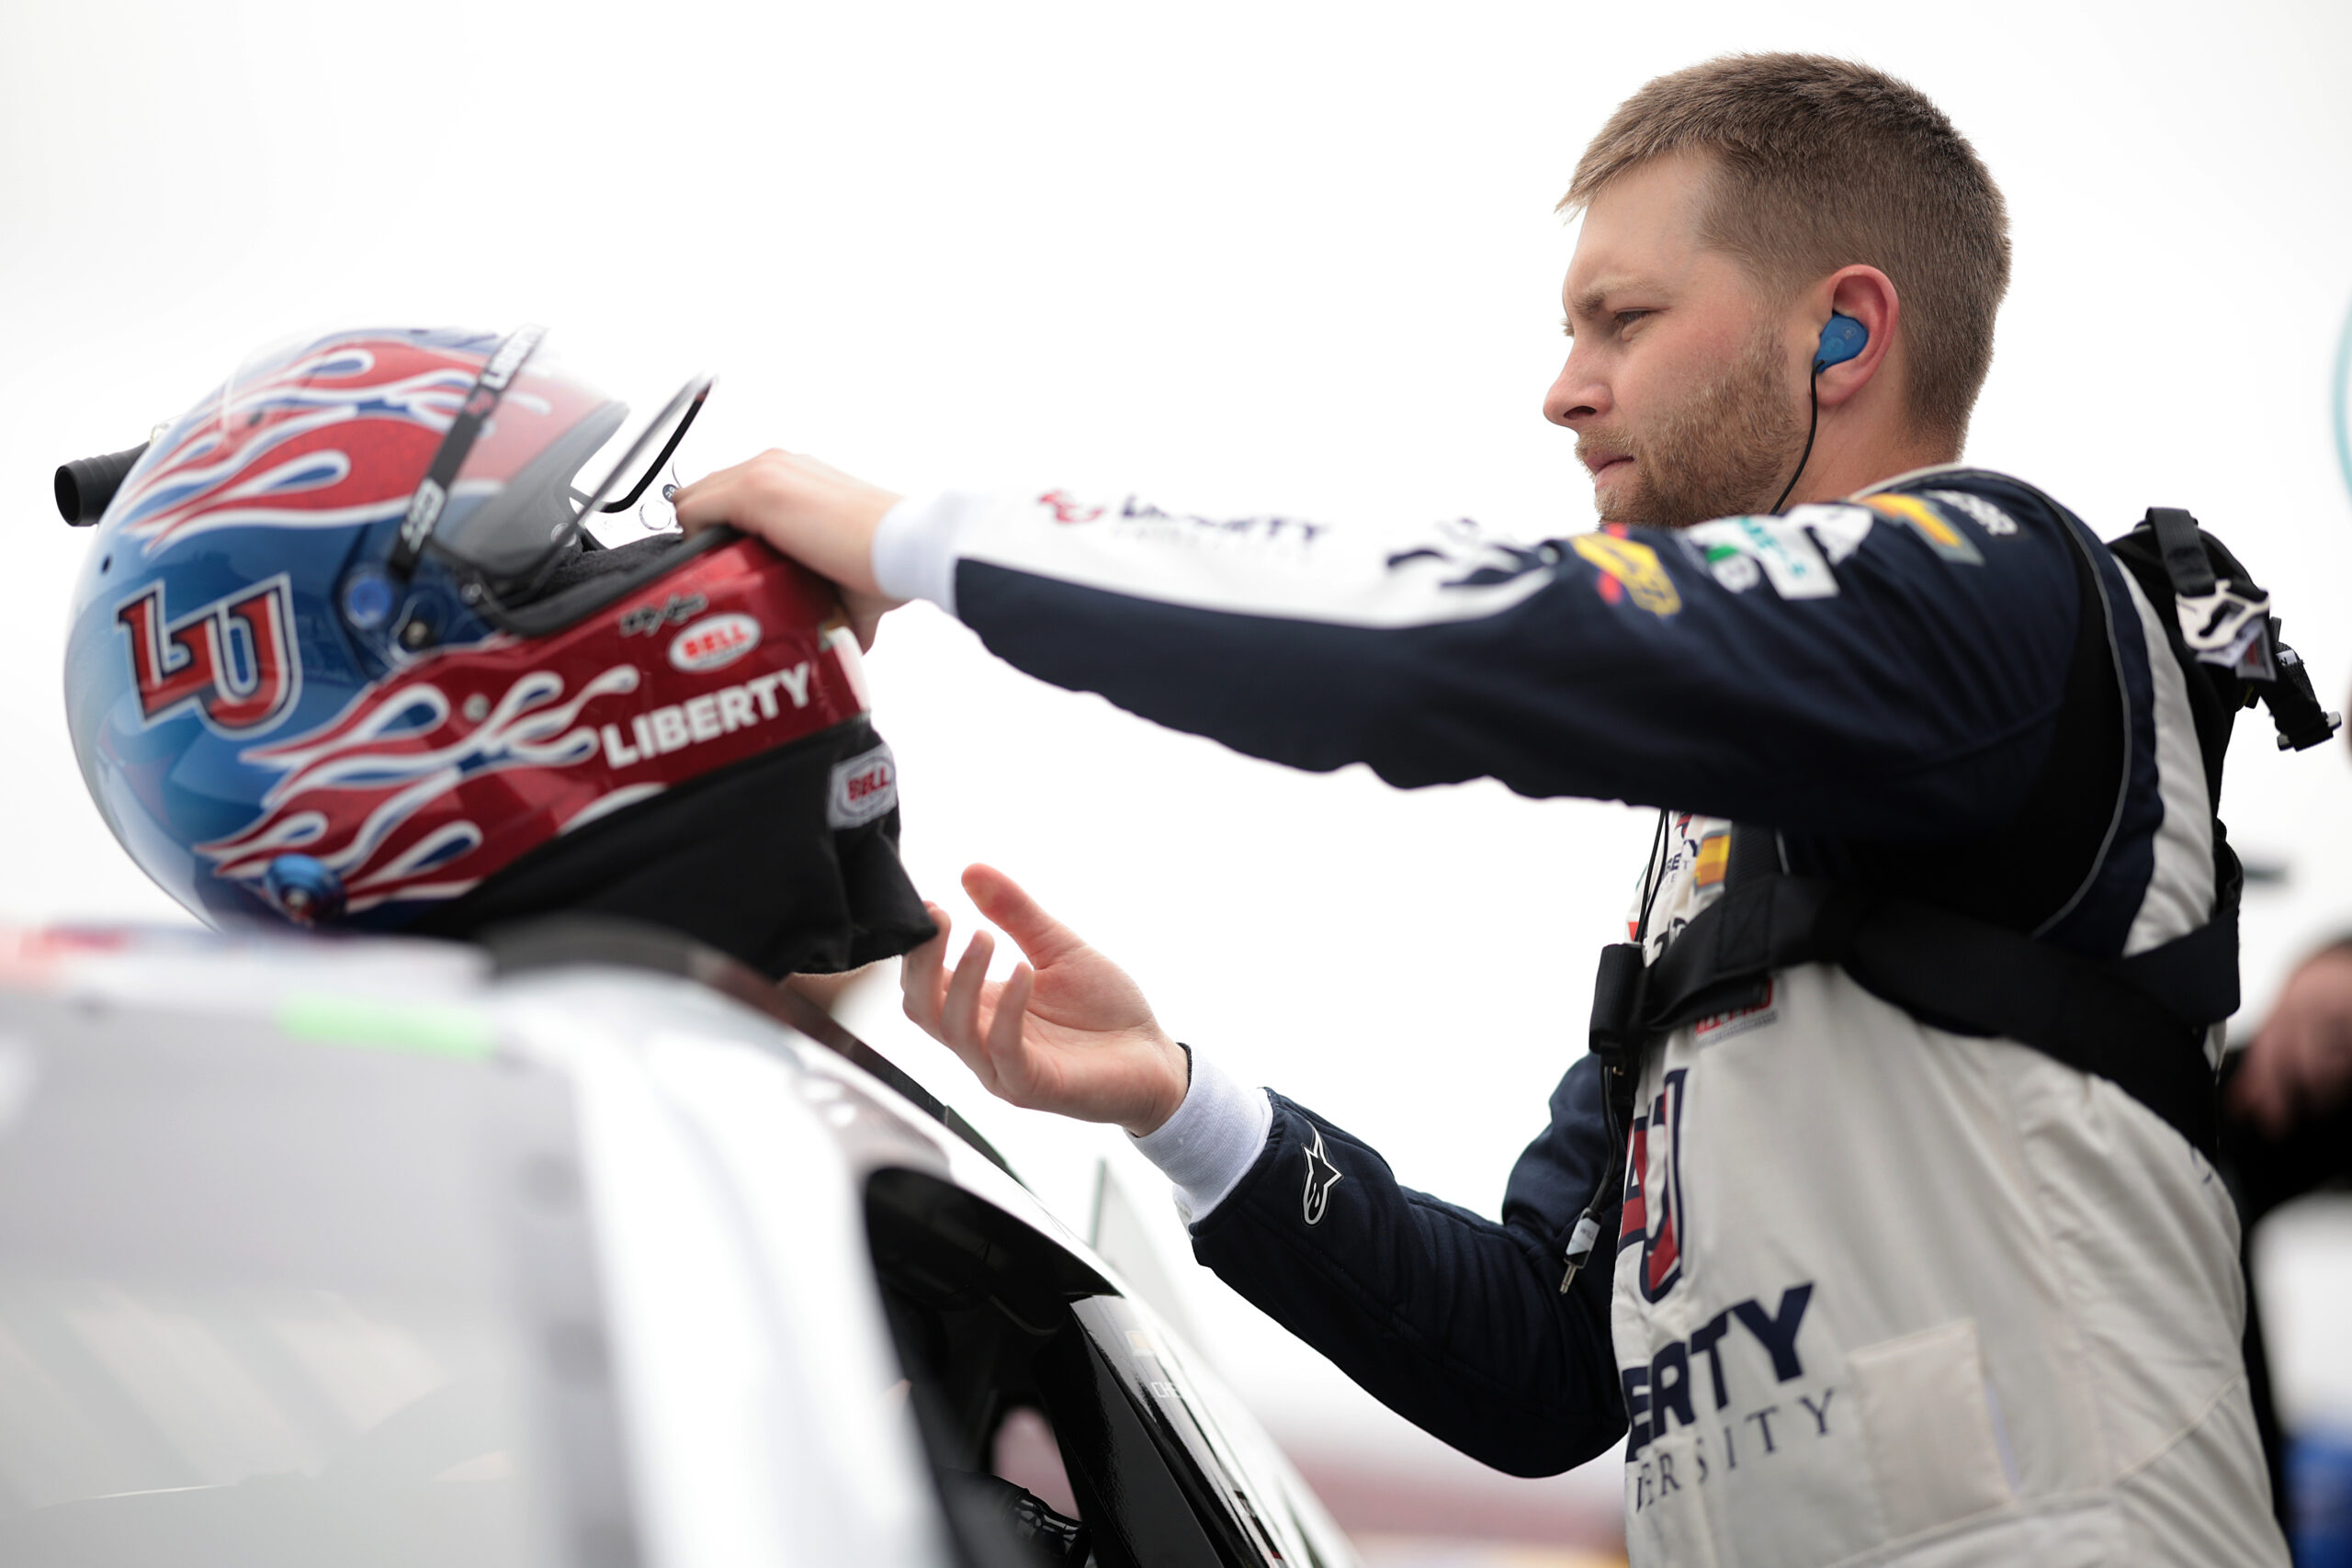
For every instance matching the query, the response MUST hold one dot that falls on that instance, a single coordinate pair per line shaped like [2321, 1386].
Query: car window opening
[981, 1308]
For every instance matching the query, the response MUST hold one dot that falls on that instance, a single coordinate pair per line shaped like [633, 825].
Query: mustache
[1596, 447]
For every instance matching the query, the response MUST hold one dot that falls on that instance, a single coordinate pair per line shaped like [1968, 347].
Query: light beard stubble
[1724, 452]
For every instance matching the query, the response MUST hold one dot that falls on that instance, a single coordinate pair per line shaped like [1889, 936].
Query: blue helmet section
[191, 644]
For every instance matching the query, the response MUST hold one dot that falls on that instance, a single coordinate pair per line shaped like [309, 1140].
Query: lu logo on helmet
[234, 660]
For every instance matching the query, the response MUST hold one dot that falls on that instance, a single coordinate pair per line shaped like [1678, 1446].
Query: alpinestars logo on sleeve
[233, 661]
[1321, 1176]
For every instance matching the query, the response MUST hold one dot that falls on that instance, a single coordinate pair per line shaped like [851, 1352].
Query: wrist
[1213, 1140]
[856, 519]
[913, 546]
[1168, 1092]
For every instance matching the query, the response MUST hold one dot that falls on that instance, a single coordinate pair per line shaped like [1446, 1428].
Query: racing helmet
[346, 652]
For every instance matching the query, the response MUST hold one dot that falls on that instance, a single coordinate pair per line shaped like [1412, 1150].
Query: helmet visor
[554, 452]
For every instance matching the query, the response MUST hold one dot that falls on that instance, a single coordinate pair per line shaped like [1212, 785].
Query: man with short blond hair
[1904, 1271]
[1815, 163]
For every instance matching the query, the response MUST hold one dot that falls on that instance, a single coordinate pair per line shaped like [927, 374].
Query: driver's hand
[1067, 1032]
[810, 510]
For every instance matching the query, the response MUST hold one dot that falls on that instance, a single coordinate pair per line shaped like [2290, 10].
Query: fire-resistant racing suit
[1882, 1293]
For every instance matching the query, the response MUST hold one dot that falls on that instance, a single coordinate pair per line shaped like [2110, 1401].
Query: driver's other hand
[809, 510]
[1067, 1032]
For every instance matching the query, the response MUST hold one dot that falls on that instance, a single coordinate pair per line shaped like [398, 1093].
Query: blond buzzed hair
[1819, 164]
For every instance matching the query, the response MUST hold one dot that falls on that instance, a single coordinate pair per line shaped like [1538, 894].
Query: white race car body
[386, 1251]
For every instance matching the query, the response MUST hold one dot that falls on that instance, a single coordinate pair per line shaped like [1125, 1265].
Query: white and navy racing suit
[1883, 1293]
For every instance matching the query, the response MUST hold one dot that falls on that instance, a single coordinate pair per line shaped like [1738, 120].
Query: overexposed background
[1247, 255]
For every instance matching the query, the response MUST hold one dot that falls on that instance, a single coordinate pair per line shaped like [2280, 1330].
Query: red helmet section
[337, 436]
[440, 776]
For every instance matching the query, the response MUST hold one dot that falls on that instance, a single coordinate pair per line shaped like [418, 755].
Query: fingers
[922, 974]
[984, 1024]
[1004, 1047]
[866, 612]
[959, 1012]
[708, 500]
[948, 1008]
[816, 515]
[1041, 937]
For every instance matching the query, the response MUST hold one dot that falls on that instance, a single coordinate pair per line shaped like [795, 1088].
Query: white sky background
[1252, 256]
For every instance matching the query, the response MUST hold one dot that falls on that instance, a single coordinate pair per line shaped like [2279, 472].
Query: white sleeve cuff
[1212, 1141]
[914, 549]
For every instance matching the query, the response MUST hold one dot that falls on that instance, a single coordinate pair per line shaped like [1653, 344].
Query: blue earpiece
[1842, 338]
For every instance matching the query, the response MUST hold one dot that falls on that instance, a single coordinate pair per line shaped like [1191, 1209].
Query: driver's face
[1683, 384]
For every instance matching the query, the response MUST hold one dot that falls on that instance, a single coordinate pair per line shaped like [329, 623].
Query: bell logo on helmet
[714, 642]
[234, 660]
[864, 787]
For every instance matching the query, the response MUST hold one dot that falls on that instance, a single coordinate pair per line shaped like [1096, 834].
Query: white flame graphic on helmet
[358, 768]
[218, 475]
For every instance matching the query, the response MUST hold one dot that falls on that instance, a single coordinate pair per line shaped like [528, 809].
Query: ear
[1868, 296]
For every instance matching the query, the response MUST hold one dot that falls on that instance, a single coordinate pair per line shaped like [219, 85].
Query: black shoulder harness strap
[2222, 633]
[2139, 1022]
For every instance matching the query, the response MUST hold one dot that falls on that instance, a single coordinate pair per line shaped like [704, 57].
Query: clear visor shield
[556, 456]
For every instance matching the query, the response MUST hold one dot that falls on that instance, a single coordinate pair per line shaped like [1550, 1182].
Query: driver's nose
[1575, 396]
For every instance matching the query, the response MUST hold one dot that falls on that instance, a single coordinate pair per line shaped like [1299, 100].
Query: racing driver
[1883, 1290]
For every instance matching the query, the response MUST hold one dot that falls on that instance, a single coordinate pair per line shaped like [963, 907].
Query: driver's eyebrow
[1593, 299]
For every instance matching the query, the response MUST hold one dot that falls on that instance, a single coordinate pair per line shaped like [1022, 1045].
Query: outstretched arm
[1886, 670]
[1454, 1321]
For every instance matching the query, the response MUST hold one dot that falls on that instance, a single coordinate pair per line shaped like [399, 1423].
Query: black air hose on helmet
[86, 485]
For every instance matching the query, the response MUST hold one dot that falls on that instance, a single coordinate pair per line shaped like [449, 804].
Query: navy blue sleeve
[1889, 669]
[1452, 1321]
